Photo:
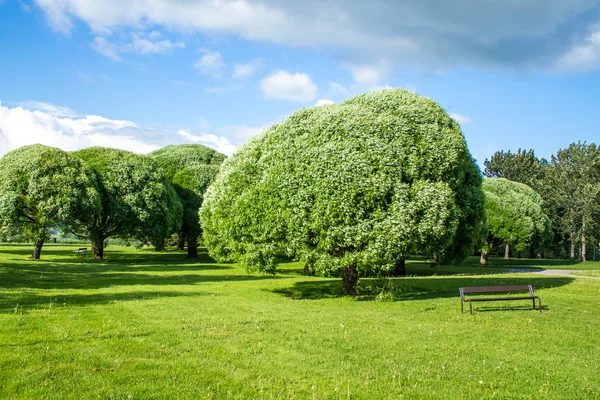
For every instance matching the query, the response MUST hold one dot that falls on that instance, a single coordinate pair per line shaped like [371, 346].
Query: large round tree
[350, 189]
[137, 199]
[44, 187]
[190, 168]
[515, 216]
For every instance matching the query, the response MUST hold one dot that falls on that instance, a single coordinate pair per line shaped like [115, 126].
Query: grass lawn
[147, 325]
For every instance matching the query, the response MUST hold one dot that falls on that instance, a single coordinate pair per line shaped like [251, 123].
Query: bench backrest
[83, 248]
[496, 289]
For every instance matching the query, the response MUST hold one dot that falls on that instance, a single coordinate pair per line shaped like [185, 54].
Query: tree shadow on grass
[62, 277]
[23, 302]
[119, 260]
[406, 289]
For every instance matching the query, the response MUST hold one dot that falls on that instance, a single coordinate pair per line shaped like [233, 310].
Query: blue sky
[140, 75]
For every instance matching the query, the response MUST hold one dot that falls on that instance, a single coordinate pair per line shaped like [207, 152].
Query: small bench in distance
[497, 289]
[82, 251]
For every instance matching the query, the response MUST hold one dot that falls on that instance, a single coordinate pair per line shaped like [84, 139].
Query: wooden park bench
[80, 252]
[497, 289]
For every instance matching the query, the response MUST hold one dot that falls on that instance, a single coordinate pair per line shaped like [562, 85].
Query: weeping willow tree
[350, 189]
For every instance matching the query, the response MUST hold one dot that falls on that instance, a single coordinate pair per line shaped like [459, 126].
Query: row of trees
[569, 184]
[350, 189]
[99, 193]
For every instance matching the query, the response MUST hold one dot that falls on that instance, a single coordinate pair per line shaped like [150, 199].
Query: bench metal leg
[462, 311]
[471, 307]
[540, 301]
[533, 301]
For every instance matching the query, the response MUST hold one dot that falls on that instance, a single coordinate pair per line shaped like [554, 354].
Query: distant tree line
[569, 184]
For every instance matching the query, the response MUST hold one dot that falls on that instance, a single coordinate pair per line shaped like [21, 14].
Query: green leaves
[515, 213]
[369, 181]
[43, 187]
[191, 168]
[137, 199]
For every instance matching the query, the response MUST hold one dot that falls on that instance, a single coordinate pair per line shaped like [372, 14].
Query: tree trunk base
[98, 248]
[349, 279]
[180, 241]
[37, 249]
[192, 247]
[483, 260]
[400, 268]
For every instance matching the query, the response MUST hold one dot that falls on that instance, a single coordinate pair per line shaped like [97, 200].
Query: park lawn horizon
[152, 325]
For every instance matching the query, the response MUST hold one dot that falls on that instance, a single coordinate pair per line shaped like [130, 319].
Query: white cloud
[147, 46]
[287, 86]
[21, 127]
[211, 63]
[323, 102]
[243, 71]
[106, 48]
[365, 75]
[461, 119]
[219, 143]
[431, 33]
[582, 57]
[57, 111]
[138, 44]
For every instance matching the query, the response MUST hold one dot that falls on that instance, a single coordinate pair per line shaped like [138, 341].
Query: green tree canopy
[522, 166]
[571, 188]
[352, 188]
[44, 187]
[191, 168]
[515, 215]
[137, 199]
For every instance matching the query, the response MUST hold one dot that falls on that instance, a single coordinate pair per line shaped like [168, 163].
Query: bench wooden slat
[495, 289]
[501, 298]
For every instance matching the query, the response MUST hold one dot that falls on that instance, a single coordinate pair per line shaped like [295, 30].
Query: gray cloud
[438, 34]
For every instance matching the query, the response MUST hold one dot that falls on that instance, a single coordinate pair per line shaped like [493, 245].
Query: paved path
[553, 272]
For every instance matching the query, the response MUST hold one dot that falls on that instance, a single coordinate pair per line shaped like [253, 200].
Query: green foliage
[137, 199]
[522, 166]
[366, 182]
[191, 168]
[43, 187]
[515, 214]
[571, 188]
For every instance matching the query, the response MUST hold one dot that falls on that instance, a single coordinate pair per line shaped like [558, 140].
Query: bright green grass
[593, 273]
[148, 325]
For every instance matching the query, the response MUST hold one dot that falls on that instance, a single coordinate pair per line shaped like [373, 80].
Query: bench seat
[497, 289]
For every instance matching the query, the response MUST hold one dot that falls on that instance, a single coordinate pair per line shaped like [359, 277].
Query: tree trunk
[507, 251]
[98, 247]
[572, 257]
[532, 251]
[37, 249]
[180, 241]
[192, 246]
[400, 268]
[583, 248]
[483, 260]
[159, 245]
[349, 279]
